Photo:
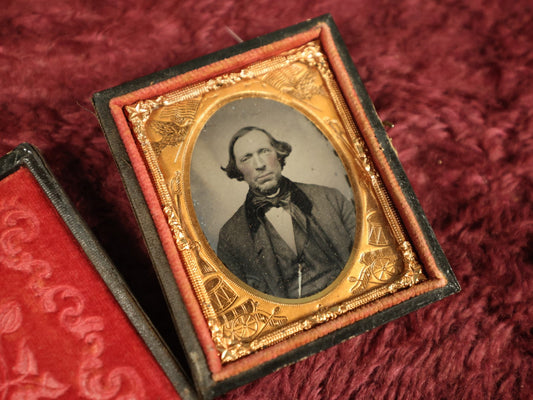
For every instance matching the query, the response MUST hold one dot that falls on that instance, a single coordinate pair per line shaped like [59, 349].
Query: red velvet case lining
[62, 333]
[322, 32]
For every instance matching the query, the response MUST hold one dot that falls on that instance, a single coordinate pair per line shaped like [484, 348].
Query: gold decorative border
[241, 319]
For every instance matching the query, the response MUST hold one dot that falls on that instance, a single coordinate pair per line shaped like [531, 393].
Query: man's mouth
[265, 177]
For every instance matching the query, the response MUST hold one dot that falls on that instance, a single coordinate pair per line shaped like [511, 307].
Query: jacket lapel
[266, 264]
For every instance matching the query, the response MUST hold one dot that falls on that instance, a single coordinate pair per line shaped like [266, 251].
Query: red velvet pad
[62, 333]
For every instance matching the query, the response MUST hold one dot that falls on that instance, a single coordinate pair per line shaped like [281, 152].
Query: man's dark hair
[283, 149]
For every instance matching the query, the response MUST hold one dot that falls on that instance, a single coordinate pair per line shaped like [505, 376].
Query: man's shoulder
[313, 189]
[234, 240]
[236, 221]
[324, 197]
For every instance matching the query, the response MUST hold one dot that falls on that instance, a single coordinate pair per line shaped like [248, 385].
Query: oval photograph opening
[272, 198]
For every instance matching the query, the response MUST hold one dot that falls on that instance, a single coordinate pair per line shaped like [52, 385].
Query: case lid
[69, 326]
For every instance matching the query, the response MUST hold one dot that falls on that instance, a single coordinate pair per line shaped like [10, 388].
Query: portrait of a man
[288, 239]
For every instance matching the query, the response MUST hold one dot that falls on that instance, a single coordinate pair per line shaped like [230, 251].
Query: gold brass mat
[243, 320]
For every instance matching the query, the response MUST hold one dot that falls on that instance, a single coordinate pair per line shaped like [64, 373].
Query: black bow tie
[264, 203]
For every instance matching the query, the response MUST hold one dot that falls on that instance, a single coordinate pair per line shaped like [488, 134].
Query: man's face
[258, 162]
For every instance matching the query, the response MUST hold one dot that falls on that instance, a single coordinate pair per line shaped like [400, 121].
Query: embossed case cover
[69, 327]
[210, 377]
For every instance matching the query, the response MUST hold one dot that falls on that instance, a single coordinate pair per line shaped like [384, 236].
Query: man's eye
[245, 158]
[265, 150]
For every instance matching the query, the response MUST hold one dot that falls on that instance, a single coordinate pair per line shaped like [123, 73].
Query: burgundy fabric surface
[456, 80]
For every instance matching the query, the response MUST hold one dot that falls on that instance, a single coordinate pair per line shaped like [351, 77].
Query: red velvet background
[455, 78]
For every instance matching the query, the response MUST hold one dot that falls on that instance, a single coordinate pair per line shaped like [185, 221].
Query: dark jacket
[246, 249]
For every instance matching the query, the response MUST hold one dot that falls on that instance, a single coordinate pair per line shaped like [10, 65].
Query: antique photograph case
[274, 207]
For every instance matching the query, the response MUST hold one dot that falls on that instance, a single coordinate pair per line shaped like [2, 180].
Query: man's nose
[258, 162]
